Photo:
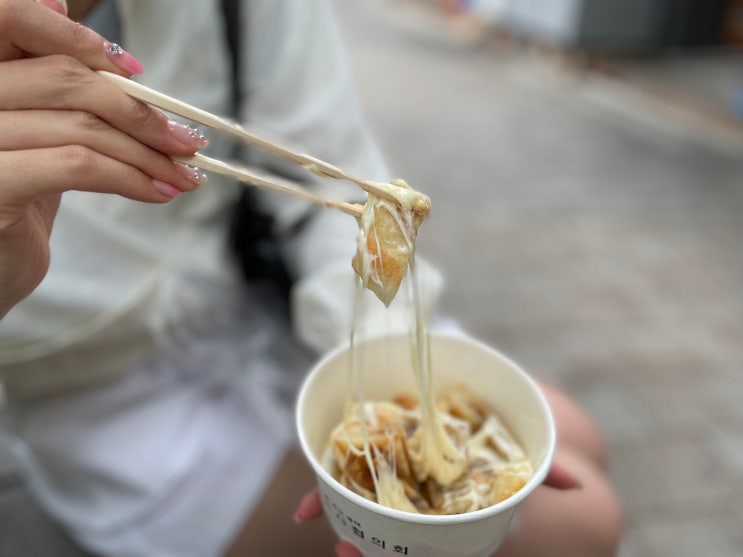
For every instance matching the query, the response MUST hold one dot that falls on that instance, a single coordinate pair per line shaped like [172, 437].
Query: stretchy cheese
[386, 239]
[487, 465]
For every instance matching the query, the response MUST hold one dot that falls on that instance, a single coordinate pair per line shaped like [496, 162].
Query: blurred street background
[585, 163]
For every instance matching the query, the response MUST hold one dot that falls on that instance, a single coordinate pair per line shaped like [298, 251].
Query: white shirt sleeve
[298, 86]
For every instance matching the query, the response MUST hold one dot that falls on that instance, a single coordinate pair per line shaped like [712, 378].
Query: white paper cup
[387, 367]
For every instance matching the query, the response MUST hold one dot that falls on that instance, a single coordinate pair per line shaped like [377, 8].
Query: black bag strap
[251, 236]
[231, 14]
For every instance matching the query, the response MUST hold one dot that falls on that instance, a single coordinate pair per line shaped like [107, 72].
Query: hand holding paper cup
[380, 531]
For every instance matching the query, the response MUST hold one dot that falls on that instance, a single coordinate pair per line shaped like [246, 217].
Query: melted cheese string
[437, 456]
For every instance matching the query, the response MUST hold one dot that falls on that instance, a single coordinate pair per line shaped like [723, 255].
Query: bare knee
[582, 522]
[601, 519]
[575, 430]
[594, 511]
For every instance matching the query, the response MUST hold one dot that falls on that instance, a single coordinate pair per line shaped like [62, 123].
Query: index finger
[310, 507]
[560, 477]
[32, 28]
[345, 549]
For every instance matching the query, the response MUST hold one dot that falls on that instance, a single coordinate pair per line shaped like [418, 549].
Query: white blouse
[111, 256]
[168, 455]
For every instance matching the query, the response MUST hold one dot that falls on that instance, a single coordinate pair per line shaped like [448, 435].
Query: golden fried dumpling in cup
[488, 481]
[386, 239]
[387, 437]
[388, 446]
[466, 459]
[460, 402]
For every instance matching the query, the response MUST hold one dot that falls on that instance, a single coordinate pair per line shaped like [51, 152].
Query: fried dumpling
[487, 482]
[478, 462]
[386, 239]
[390, 481]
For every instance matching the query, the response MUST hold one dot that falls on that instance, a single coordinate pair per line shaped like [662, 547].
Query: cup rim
[404, 516]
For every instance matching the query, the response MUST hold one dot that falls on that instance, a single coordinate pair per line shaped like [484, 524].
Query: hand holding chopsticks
[388, 222]
[312, 164]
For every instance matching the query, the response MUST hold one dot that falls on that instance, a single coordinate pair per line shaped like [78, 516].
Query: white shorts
[168, 459]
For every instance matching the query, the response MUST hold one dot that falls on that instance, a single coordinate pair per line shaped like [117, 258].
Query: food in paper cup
[467, 374]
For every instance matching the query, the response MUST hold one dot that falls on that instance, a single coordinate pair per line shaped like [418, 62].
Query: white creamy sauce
[388, 227]
[460, 468]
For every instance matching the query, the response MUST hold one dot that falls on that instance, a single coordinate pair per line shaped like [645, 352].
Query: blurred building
[618, 25]
[690, 48]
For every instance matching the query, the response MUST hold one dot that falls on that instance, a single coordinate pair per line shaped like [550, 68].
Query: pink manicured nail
[345, 549]
[193, 173]
[187, 134]
[59, 6]
[166, 189]
[122, 58]
[560, 477]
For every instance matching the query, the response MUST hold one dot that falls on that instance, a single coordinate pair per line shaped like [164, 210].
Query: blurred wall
[611, 24]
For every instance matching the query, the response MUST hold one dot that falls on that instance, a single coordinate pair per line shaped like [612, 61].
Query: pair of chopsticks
[312, 164]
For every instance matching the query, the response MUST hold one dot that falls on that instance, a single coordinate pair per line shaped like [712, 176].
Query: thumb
[560, 477]
[36, 173]
[59, 6]
[345, 549]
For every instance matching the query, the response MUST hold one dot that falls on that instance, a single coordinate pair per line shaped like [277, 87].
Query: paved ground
[588, 232]
[593, 234]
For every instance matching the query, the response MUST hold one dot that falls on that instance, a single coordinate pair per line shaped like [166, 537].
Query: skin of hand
[311, 507]
[63, 127]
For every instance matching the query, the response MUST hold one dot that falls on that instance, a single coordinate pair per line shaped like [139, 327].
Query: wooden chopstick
[250, 177]
[174, 106]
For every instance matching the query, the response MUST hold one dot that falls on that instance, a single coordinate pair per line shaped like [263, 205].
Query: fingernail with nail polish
[187, 134]
[122, 58]
[193, 173]
[166, 189]
[59, 6]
